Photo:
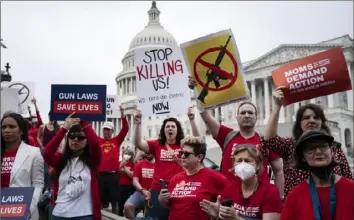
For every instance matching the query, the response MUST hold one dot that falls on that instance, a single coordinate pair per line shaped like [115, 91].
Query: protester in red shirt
[308, 117]
[228, 139]
[126, 187]
[142, 180]
[36, 122]
[78, 194]
[165, 150]
[252, 197]
[187, 189]
[324, 195]
[21, 164]
[109, 167]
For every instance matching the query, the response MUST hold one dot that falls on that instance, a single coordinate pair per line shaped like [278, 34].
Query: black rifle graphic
[213, 76]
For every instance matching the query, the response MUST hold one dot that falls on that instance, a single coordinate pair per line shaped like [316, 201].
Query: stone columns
[131, 127]
[253, 92]
[266, 99]
[350, 92]
[330, 101]
[296, 107]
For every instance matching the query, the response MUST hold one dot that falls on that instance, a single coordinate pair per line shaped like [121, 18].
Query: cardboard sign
[87, 101]
[215, 64]
[10, 100]
[112, 106]
[16, 203]
[318, 75]
[25, 94]
[161, 81]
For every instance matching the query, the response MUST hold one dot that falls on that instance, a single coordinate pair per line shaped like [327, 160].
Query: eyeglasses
[79, 138]
[184, 153]
[310, 149]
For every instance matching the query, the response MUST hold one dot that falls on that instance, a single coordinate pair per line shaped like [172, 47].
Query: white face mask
[126, 157]
[245, 170]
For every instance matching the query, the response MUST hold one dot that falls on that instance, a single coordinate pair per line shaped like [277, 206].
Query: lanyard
[316, 202]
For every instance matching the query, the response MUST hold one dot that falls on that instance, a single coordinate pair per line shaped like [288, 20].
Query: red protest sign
[318, 75]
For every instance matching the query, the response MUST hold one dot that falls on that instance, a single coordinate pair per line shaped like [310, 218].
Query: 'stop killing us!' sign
[162, 81]
[87, 101]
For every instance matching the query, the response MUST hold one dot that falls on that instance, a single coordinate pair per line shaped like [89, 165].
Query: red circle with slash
[218, 70]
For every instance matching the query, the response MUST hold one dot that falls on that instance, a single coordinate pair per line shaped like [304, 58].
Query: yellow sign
[215, 64]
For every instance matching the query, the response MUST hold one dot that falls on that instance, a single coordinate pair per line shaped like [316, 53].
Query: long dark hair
[68, 154]
[21, 124]
[54, 123]
[297, 130]
[180, 135]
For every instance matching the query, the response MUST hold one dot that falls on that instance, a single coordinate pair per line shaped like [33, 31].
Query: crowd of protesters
[76, 172]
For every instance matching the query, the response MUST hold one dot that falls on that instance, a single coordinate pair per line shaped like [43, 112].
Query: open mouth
[170, 133]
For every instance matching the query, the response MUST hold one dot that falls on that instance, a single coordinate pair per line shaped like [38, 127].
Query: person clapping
[190, 187]
[248, 196]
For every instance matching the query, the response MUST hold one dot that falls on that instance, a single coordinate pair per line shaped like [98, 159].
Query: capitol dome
[153, 33]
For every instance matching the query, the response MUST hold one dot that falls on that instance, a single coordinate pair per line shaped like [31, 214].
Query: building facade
[338, 107]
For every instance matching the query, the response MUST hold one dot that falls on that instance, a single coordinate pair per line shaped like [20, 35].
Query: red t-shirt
[31, 141]
[123, 177]
[145, 172]
[33, 132]
[187, 191]
[110, 154]
[227, 164]
[166, 165]
[266, 199]
[6, 167]
[298, 204]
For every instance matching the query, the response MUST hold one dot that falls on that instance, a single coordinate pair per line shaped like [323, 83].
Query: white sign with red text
[161, 81]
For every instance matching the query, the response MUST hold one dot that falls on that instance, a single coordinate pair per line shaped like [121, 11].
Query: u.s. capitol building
[338, 107]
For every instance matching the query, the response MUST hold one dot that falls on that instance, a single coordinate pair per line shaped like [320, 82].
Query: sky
[72, 42]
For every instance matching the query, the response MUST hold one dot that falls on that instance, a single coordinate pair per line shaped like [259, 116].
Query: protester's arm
[38, 115]
[212, 124]
[50, 154]
[37, 179]
[277, 167]
[282, 146]
[194, 126]
[271, 128]
[272, 204]
[128, 171]
[93, 143]
[40, 135]
[138, 141]
[125, 128]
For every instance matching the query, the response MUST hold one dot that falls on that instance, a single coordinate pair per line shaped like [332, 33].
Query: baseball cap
[108, 125]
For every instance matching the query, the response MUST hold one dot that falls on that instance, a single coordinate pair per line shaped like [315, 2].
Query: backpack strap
[228, 138]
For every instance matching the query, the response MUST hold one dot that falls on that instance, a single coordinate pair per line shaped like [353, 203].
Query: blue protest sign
[16, 203]
[87, 101]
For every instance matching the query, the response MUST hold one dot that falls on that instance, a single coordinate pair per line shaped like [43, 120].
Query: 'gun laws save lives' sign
[15, 203]
[318, 75]
[87, 101]
[161, 81]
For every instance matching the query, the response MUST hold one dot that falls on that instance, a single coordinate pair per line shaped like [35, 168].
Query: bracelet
[142, 189]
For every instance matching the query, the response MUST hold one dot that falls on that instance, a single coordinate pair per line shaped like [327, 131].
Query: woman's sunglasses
[79, 138]
[184, 153]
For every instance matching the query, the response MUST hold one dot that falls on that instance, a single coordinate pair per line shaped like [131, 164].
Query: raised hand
[191, 82]
[278, 95]
[137, 117]
[191, 113]
[121, 111]
[34, 101]
[69, 121]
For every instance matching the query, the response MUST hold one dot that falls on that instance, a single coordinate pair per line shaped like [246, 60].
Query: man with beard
[142, 179]
[228, 139]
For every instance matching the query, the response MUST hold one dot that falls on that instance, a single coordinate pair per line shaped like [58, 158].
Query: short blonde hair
[252, 151]
[197, 143]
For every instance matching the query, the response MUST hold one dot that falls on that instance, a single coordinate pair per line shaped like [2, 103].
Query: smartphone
[163, 184]
[227, 202]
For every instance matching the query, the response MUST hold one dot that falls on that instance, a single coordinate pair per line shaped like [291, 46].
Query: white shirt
[67, 206]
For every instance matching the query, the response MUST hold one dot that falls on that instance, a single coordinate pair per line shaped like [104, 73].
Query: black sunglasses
[79, 138]
[184, 153]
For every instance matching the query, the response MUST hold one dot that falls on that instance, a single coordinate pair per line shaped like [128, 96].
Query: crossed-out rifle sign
[217, 76]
